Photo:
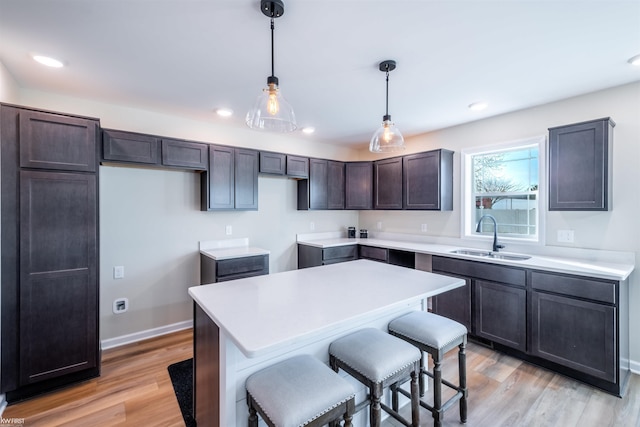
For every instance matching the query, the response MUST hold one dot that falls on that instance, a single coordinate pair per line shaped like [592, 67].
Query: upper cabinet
[387, 183]
[325, 187]
[273, 163]
[580, 166]
[297, 167]
[231, 181]
[428, 180]
[358, 185]
[52, 141]
[132, 147]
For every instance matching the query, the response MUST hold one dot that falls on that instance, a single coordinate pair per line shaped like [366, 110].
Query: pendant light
[387, 138]
[272, 112]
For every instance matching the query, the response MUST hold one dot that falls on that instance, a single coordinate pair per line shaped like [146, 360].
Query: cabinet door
[335, 185]
[358, 185]
[317, 184]
[130, 147]
[579, 170]
[455, 304]
[218, 183]
[500, 314]
[297, 167]
[246, 179]
[428, 180]
[273, 163]
[387, 183]
[184, 154]
[51, 141]
[58, 283]
[574, 333]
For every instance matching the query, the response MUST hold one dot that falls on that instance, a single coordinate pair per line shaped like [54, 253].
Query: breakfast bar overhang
[248, 324]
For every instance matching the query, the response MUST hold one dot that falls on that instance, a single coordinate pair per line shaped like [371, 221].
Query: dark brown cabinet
[574, 323]
[455, 304]
[358, 184]
[387, 184]
[325, 187]
[580, 166]
[49, 251]
[297, 167]
[273, 163]
[312, 256]
[428, 180]
[232, 179]
[131, 147]
[223, 270]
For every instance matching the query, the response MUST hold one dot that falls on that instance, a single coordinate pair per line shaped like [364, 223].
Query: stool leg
[253, 417]
[347, 420]
[394, 397]
[415, 397]
[462, 370]
[375, 410]
[437, 392]
[422, 375]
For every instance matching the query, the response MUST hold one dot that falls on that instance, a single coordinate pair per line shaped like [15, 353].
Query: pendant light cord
[387, 106]
[272, 49]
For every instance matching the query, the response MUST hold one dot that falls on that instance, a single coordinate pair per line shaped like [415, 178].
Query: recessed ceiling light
[478, 106]
[308, 130]
[635, 61]
[48, 61]
[224, 112]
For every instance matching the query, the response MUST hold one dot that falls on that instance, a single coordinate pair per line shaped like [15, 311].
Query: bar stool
[435, 335]
[377, 360]
[300, 391]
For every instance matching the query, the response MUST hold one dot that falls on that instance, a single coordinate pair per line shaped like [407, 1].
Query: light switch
[118, 272]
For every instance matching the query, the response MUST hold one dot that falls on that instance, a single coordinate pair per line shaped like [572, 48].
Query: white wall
[8, 86]
[615, 230]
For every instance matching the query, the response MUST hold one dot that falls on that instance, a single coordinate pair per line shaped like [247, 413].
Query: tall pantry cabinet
[49, 226]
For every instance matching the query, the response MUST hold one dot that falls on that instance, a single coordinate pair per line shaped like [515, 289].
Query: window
[505, 182]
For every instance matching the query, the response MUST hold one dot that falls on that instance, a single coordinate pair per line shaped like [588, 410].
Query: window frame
[467, 203]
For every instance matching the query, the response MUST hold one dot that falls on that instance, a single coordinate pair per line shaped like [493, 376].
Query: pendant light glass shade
[272, 112]
[388, 137]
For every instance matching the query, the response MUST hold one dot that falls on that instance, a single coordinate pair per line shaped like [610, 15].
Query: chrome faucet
[496, 246]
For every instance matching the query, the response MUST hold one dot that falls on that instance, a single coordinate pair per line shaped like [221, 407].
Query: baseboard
[143, 335]
[634, 367]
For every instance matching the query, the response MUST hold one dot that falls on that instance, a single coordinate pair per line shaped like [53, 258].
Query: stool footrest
[443, 381]
[446, 404]
[395, 415]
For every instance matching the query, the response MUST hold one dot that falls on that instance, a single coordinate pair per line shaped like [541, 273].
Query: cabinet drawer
[339, 252]
[377, 254]
[242, 266]
[574, 286]
[481, 270]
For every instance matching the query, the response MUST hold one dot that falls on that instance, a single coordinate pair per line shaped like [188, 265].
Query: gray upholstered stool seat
[300, 391]
[378, 360]
[435, 335]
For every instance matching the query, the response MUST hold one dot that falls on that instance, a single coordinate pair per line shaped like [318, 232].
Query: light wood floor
[135, 390]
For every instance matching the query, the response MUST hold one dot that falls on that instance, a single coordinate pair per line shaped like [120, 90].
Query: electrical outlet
[379, 225]
[565, 236]
[118, 272]
[228, 230]
[120, 305]
[423, 228]
[312, 226]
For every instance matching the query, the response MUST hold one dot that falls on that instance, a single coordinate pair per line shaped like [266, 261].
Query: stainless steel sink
[488, 254]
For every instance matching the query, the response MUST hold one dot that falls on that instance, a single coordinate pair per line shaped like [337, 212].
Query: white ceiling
[189, 57]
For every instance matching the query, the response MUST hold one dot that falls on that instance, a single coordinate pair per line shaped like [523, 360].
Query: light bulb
[387, 135]
[272, 103]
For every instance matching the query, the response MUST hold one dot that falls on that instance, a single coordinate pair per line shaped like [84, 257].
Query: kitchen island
[245, 325]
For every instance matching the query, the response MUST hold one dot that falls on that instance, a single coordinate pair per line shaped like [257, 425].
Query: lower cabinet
[311, 256]
[213, 271]
[499, 313]
[455, 304]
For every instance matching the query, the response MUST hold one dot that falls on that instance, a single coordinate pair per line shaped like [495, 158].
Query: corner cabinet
[231, 181]
[580, 166]
[49, 251]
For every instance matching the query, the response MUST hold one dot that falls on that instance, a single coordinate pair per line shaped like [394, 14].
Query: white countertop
[268, 313]
[583, 267]
[231, 248]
